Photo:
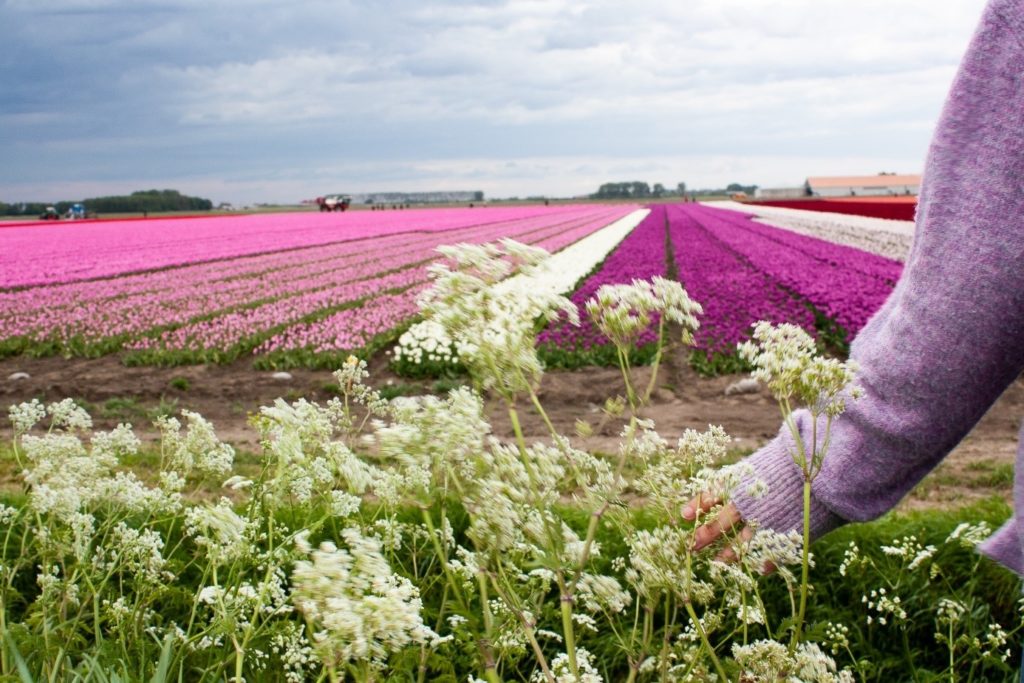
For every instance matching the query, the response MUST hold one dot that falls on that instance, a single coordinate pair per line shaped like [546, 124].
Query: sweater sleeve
[950, 338]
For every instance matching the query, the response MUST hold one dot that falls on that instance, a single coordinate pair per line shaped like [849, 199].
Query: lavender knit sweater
[950, 338]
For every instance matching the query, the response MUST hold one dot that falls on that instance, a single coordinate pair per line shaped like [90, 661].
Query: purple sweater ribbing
[950, 338]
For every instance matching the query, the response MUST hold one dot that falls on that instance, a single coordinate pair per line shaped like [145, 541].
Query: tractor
[333, 203]
[50, 214]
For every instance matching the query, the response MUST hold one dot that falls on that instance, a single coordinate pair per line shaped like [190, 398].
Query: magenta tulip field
[740, 271]
[300, 289]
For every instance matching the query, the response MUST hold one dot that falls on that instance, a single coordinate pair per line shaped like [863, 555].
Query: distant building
[416, 197]
[780, 192]
[882, 185]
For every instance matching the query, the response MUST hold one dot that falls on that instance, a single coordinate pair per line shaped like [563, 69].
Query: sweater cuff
[781, 508]
[1004, 546]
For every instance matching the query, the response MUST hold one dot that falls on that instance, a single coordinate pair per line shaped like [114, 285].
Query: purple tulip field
[216, 289]
[740, 271]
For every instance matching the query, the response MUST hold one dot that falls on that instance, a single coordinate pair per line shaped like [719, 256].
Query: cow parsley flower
[969, 535]
[69, 415]
[7, 514]
[768, 661]
[344, 504]
[658, 563]
[24, 416]
[784, 359]
[949, 611]
[884, 606]
[117, 444]
[910, 550]
[219, 530]
[494, 330]
[837, 637]
[359, 609]
[561, 670]
[198, 450]
[295, 652]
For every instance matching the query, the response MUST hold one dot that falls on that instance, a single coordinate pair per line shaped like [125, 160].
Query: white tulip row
[880, 236]
[560, 273]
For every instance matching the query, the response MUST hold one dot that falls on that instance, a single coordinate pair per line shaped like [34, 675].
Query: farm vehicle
[333, 203]
[75, 212]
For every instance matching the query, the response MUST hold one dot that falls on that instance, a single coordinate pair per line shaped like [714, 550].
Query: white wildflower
[561, 670]
[910, 550]
[884, 606]
[837, 637]
[69, 415]
[360, 609]
[784, 359]
[219, 530]
[969, 535]
[24, 416]
[949, 611]
[344, 504]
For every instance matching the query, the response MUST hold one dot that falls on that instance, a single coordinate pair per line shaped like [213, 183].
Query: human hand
[728, 518]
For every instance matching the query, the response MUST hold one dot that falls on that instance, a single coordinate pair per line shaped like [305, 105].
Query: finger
[728, 553]
[713, 530]
[703, 502]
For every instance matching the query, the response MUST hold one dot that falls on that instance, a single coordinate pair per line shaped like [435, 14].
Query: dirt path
[226, 394]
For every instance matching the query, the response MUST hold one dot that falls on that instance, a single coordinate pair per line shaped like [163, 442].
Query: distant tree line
[137, 202]
[636, 189]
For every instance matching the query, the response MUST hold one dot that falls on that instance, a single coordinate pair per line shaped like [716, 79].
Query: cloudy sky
[282, 100]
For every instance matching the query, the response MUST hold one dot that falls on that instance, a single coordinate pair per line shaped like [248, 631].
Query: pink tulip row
[235, 328]
[231, 305]
[278, 263]
[68, 252]
[353, 328]
[133, 304]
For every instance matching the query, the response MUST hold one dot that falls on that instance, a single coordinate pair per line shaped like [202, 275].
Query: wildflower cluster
[495, 334]
[784, 359]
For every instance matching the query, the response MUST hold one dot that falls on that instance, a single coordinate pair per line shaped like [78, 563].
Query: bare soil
[981, 466]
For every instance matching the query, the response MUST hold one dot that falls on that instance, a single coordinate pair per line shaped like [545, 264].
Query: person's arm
[950, 338]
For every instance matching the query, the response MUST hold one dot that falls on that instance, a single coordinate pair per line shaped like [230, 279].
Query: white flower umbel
[69, 415]
[219, 530]
[785, 359]
[768, 661]
[198, 450]
[65, 477]
[622, 312]
[495, 332]
[24, 416]
[359, 610]
[562, 672]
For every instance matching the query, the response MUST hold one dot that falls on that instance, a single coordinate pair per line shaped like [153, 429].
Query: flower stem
[657, 361]
[704, 639]
[804, 568]
[490, 667]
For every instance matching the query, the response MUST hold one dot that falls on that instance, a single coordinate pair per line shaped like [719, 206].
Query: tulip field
[741, 271]
[302, 289]
[216, 289]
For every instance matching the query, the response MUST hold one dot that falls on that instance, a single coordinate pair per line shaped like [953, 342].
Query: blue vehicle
[76, 211]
